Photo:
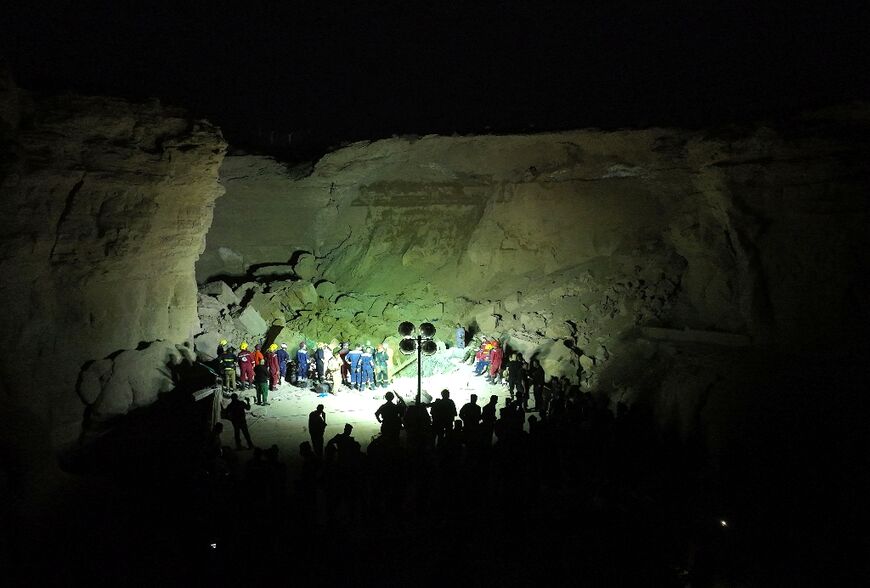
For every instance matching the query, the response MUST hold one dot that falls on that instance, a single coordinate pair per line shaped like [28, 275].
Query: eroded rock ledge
[106, 205]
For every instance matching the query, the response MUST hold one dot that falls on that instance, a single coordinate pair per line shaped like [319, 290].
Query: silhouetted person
[443, 413]
[236, 413]
[515, 374]
[488, 418]
[316, 427]
[390, 417]
[340, 444]
[418, 425]
[470, 415]
[536, 377]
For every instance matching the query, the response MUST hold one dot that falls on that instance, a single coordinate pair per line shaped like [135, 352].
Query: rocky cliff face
[579, 247]
[579, 235]
[105, 207]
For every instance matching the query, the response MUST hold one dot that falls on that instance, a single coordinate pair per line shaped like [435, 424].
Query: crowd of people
[429, 458]
[359, 368]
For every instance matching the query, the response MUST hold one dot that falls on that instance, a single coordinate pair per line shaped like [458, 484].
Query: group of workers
[358, 368]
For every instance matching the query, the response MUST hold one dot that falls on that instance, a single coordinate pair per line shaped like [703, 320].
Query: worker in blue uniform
[302, 362]
[353, 358]
[367, 369]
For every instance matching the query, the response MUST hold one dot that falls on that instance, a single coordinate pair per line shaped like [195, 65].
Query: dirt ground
[285, 421]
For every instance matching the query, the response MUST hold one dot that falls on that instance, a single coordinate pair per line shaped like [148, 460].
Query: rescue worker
[261, 382]
[283, 359]
[353, 358]
[274, 367]
[460, 337]
[228, 363]
[366, 369]
[345, 364]
[258, 354]
[495, 360]
[483, 364]
[221, 348]
[390, 417]
[319, 363]
[334, 368]
[246, 366]
[302, 362]
[381, 359]
[236, 410]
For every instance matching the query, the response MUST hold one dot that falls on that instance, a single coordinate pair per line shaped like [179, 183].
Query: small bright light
[723, 523]
[214, 545]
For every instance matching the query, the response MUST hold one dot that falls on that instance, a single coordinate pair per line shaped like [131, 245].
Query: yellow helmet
[273, 347]
[244, 345]
[224, 342]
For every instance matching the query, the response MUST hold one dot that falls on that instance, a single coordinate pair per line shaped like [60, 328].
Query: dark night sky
[338, 71]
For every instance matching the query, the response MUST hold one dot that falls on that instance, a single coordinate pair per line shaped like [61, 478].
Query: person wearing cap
[228, 363]
[272, 364]
[258, 354]
[246, 366]
[283, 359]
[302, 362]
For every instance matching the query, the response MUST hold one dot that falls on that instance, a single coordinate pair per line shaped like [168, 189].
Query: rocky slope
[106, 205]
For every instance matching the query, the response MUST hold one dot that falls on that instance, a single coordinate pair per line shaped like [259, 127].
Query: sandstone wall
[105, 207]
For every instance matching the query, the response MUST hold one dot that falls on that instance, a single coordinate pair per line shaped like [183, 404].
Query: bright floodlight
[407, 345]
[427, 330]
[429, 347]
[406, 328]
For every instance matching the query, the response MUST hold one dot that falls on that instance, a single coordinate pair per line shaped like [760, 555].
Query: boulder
[305, 266]
[273, 270]
[325, 289]
[220, 291]
[206, 344]
[250, 321]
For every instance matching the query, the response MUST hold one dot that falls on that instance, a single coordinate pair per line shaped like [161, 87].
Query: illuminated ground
[285, 421]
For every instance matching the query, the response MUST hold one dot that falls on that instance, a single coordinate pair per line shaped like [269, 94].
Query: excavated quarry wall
[655, 252]
[105, 206]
